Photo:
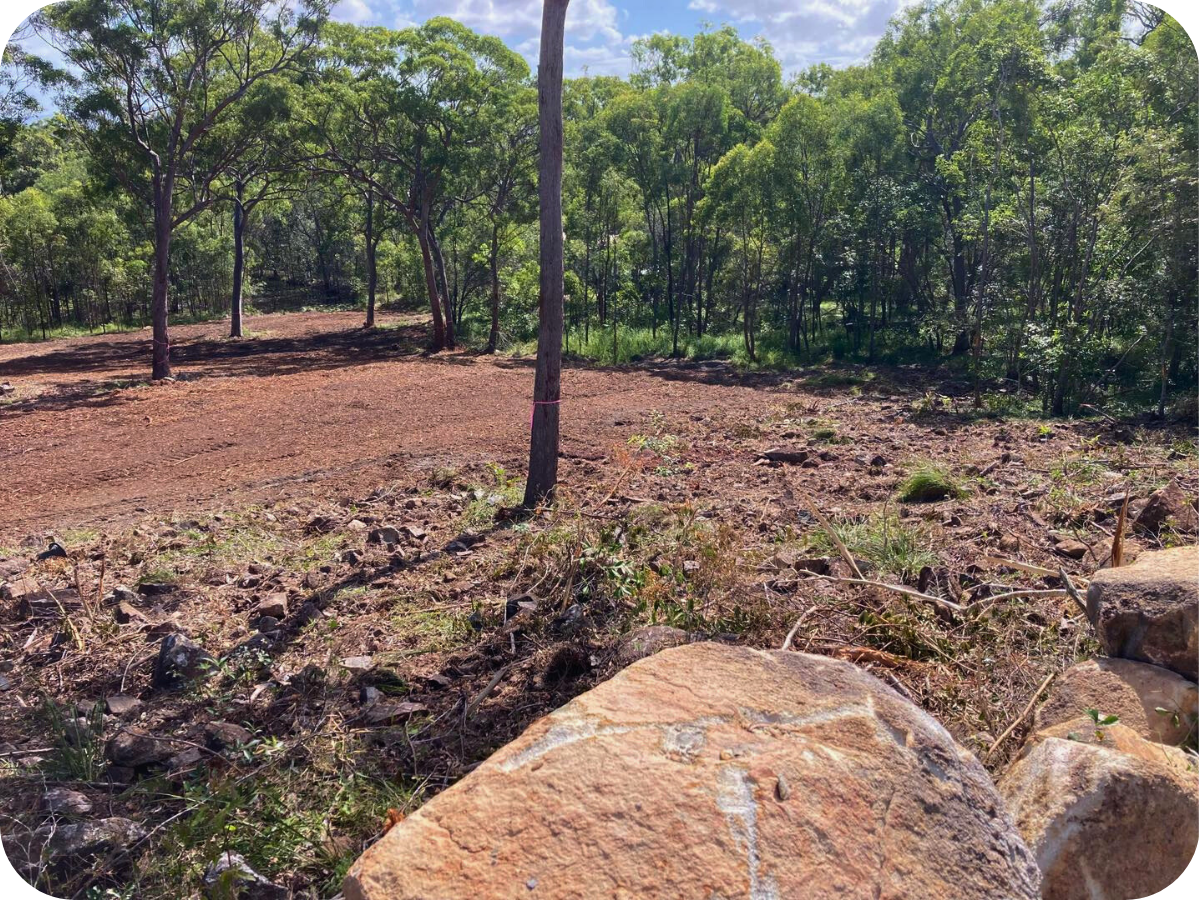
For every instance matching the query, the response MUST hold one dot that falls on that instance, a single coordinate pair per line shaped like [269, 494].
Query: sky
[600, 32]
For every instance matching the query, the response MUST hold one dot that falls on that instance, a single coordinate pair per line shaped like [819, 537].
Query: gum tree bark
[543, 439]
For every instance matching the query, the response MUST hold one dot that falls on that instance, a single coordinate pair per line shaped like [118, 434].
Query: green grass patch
[887, 543]
[928, 482]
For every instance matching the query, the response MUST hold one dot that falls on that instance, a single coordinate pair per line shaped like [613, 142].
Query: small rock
[225, 735]
[356, 525]
[1167, 506]
[351, 557]
[125, 595]
[1010, 543]
[101, 837]
[231, 877]
[357, 663]
[185, 760]
[385, 712]
[127, 614]
[308, 612]
[369, 694]
[180, 659]
[781, 455]
[570, 619]
[267, 625]
[62, 800]
[273, 605]
[134, 749]
[1071, 549]
[387, 536]
[156, 588]
[122, 705]
[54, 551]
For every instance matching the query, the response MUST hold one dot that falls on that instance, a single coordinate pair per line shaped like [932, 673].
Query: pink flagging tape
[537, 403]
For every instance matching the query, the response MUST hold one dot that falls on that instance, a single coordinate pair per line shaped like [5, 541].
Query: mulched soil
[264, 469]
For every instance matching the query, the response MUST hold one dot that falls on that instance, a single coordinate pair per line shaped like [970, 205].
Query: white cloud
[358, 12]
[804, 32]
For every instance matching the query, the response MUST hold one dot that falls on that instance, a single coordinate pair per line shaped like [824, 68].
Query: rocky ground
[286, 600]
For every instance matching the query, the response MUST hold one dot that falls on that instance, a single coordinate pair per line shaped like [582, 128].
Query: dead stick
[1118, 545]
[1022, 717]
[482, 695]
[899, 589]
[1072, 591]
[837, 541]
[787, 642]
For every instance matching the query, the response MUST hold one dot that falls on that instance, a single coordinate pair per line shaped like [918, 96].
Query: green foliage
[1004, 188]
[886, 543]
[929, 482]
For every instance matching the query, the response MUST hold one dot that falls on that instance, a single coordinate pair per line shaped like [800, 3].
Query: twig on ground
[787, 642]
[837, 541]
[482, 695]
[1072, 591]
[1022, 717]
[947, 605]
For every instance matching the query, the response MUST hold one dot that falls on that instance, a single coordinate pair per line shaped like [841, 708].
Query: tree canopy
[1004, 188]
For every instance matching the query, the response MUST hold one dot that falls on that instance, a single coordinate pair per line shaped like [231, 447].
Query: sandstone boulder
[1133, 692]
[1148, 611]
[1111, 820]
[1166, 506]
[715, 771]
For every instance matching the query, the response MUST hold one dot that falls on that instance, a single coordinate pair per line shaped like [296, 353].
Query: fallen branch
[948, 605]
[1023, 566]
[1021, 718]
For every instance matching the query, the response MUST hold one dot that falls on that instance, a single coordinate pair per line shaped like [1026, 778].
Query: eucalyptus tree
[405, 116]
[504, 164]
[155, 77]
[544, 426]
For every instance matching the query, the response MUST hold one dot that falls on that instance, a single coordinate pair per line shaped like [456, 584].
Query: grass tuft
[929, 482]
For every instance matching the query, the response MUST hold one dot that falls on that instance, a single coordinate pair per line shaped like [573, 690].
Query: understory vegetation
[1005, 187]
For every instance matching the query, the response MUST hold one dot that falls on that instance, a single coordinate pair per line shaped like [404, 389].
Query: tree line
[1006, 188]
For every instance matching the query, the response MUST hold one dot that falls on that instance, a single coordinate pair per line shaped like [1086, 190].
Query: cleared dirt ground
[312, 404]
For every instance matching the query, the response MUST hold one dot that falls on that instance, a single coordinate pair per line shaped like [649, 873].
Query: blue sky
[599, 32]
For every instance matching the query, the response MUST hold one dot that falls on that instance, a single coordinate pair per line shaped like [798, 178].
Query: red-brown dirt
[312, 404]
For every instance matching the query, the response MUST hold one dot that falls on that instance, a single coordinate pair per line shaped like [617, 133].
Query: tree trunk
[435, 302]
[239, 263]
[494, 260]
[543, 440]
[372, 273]
[161, 367]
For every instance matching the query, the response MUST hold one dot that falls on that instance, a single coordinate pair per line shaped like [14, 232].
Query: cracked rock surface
[665, 781]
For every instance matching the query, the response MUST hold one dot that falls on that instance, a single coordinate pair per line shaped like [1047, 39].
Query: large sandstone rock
[712, 771]
[1113, 820]
[1133, 692]
[1167, 506]
[1148, 611]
